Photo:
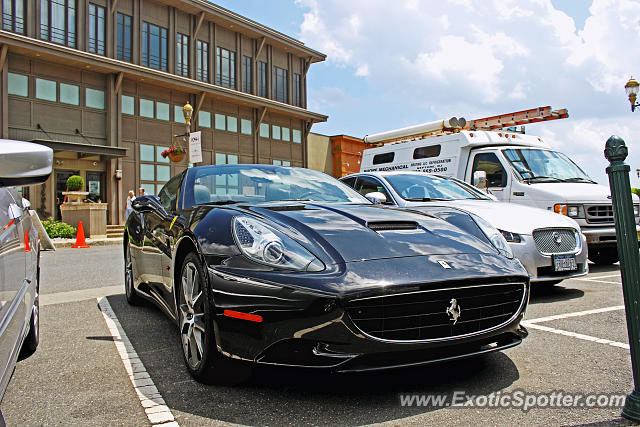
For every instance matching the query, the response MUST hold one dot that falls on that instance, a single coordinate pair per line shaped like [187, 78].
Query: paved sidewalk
[98, 241]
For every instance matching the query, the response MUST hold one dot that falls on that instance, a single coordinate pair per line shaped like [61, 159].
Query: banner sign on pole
[195, 147]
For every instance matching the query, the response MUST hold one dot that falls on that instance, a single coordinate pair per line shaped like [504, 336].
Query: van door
[498, 180]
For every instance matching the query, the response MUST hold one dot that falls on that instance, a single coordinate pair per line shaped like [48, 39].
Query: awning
[83, 149]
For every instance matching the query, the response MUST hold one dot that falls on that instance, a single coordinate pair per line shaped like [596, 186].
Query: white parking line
[579, 336]
[574, 314]
[152, 402]
[533, 324]
[599, 278]
[80, 295]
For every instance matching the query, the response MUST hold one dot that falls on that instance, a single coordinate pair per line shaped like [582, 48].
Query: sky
[392, 64]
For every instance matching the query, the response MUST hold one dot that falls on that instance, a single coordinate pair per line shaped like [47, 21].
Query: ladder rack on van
[534, 115]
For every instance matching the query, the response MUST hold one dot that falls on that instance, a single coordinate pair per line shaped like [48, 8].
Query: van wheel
[604, 256]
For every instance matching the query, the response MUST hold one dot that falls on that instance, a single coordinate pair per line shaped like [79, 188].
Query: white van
[518, 168]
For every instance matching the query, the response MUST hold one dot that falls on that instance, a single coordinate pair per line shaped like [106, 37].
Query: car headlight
[265, 245]
[511, 237]
[572, 211]
[494, 236]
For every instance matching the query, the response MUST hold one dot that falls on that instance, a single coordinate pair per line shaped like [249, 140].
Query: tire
[195, 320]
[603, 256]
[31, 341]
[129, 289]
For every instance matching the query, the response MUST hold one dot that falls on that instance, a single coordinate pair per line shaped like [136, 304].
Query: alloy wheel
[192, 316]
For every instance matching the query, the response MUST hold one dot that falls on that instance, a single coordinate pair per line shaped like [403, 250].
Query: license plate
[564, 263]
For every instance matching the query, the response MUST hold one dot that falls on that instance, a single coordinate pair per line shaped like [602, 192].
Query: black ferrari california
[288, 266]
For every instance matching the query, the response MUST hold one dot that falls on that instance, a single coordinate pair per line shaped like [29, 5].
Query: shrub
[58, 229]
[75, 183]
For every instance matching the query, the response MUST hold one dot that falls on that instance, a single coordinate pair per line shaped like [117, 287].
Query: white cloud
[362, 71]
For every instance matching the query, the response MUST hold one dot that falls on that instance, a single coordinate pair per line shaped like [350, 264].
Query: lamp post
[631, 88]
[187, 111]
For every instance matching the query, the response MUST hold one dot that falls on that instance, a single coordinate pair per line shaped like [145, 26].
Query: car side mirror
[376, 197]
[148, 204]
[25, 203]
[24, 163]
[480, 179]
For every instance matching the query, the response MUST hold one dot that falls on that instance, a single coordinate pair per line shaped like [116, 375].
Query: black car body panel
[371, 255]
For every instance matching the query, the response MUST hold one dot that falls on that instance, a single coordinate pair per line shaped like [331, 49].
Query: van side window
[351, 182]
[488, 162]
[383, 158]
[426, 152]
[366, 185]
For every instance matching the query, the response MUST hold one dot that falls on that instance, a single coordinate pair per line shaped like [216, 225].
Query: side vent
[392, 225]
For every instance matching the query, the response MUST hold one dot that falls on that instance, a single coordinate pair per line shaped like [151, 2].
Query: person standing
[141, 192]
[130, 199]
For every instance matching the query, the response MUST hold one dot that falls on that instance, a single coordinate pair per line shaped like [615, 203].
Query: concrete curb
[67, 243]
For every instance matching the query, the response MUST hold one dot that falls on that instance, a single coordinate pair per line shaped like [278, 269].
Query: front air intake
[392, 225]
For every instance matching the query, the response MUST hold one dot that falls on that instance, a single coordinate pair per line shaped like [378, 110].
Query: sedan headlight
[265, 245]
[511, 237]
[494, 236]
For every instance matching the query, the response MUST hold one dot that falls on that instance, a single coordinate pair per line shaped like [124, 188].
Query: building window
[280, 78]
[178, 115]
[182, 55]
[13, 15]
[46, 90]
[226, 66]
[58, 21]
[146, 108]
[275, 132]
[123, 30]
[296, 136]
[96, 29]
[262, 79]
[245, 127]
[221, 122]
[202, 58]
[281, 162]
[17, 84]
[204, 119]
[226, 159]
[154, 171]
[285, 134]
[162, 111]
[94, 98]
[128, 104]
[297, 90]
[154, 46]
[69, 94]
[246, 74]
[264, 130]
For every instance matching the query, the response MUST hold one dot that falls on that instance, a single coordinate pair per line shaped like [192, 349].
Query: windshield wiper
[578, 179]
[537, 177]
[223, 202]
[423, 199]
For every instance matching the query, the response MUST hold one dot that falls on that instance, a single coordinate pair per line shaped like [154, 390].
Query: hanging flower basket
[175, 154]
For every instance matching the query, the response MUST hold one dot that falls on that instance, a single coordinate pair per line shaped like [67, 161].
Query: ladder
[534, 115]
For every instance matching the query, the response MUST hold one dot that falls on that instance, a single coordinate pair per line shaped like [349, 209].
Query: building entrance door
[61, 185]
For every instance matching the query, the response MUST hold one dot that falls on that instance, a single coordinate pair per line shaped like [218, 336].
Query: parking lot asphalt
[78, 377]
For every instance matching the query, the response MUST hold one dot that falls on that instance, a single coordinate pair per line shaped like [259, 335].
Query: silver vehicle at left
[21, 163]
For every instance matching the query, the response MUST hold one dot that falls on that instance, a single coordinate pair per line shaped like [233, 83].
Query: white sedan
[550, 246]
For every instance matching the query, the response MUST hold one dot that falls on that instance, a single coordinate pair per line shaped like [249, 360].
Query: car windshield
[264, 183]
[417, 187]
[534, 165]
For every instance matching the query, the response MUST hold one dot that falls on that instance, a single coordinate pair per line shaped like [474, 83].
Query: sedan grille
[423, 315]
[555, 240]
[598, 214]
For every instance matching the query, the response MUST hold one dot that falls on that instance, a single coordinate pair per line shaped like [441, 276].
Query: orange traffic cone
[80, 242]
[27, 248]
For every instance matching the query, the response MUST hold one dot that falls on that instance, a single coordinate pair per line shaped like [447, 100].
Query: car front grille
[422, 315]
[599, 214]
[555, 240]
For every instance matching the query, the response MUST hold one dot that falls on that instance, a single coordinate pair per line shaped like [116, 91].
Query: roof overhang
[84, 149]
[40, 49]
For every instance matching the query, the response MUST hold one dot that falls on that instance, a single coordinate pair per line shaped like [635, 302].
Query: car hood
[571, 192]
[513, 217]
[366, 232]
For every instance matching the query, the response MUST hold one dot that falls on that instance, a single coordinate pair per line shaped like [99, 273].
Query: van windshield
[535, 165]
[420, 188]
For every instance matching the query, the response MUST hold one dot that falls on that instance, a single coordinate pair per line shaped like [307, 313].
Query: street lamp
[631, 88]
[187, 111]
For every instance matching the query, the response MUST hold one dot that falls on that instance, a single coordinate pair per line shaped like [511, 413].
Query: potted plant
[175, 154]
[75, 183]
